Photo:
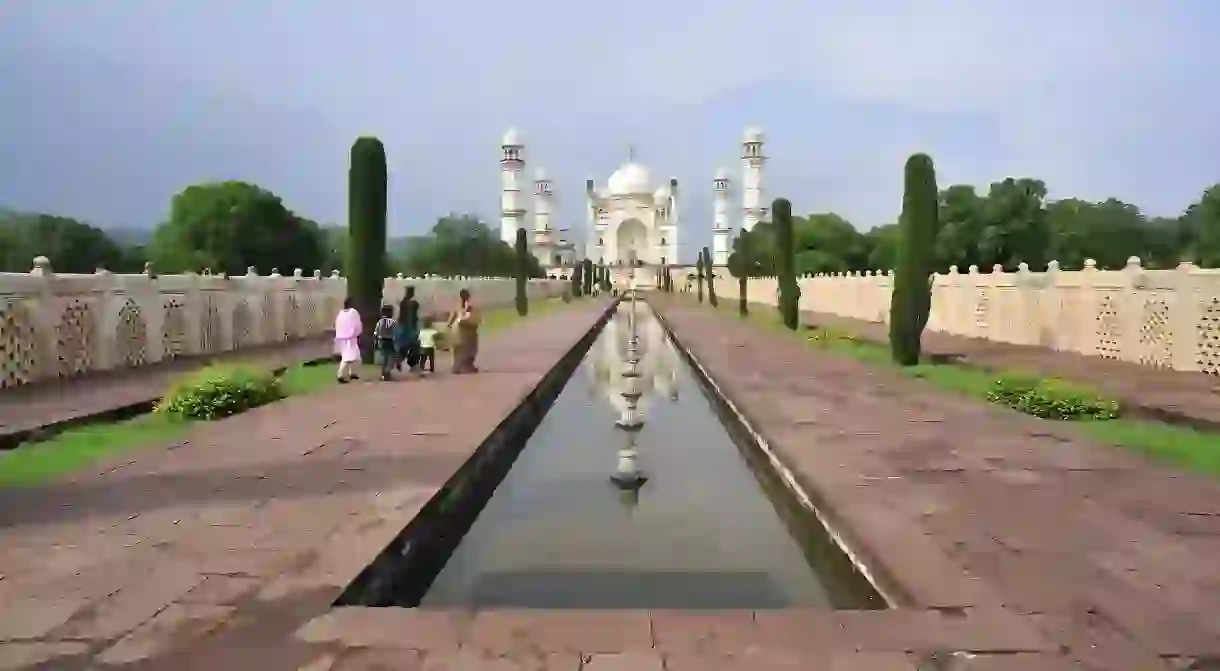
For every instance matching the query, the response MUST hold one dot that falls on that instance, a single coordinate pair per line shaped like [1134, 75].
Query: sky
[109, 107]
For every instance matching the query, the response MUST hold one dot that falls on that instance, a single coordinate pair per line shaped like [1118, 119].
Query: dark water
[701, 533]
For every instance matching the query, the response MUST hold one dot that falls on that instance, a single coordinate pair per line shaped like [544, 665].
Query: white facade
[722, 230]
[512, 204]
[753, 201]
[630, 221]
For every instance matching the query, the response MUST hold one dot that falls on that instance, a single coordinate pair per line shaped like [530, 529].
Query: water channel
[709, 528]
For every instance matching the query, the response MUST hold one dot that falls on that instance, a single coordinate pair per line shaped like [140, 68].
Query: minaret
[722, 230]
[753, 205]
[593, 248]
[512, 207]
[542, 210]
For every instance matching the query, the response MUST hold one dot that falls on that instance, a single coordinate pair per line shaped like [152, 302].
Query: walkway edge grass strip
[35, 463]
[1189, 448]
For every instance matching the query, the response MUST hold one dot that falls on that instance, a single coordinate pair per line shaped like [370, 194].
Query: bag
[384, 329]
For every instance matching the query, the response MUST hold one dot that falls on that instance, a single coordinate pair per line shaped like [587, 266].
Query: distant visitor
[464, 320]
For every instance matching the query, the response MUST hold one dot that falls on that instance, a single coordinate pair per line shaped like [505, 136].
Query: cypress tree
[911, 300]
[366, 223]
[523, 305]
[588, 277]
[711, 278]
[788, 290]
[699, 275]
[744, 263]
[577, 284]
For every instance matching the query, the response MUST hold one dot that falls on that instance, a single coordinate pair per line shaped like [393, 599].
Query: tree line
[1013, 222]
[227, 227]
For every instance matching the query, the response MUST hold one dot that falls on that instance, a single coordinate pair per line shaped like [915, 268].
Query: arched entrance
[631, 241]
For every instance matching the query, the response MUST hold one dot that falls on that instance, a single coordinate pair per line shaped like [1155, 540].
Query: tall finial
[631, 153]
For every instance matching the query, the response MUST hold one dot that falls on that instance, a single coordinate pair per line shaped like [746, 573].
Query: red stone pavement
[225, 552]
[39, 405]
[1177, 396]
[977, 510]
[209, 553]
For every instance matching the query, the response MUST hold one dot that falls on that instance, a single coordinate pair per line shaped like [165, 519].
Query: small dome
[753, 134]
[662, 193]
[539, 175]
[721, 174]
[630, 179]
[512, 138]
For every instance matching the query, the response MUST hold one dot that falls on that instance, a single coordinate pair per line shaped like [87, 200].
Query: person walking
[347, 341]
[465, 321]
[383, 337]
[406, 337]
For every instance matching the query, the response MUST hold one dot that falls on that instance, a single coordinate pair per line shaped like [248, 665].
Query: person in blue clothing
[406, 336]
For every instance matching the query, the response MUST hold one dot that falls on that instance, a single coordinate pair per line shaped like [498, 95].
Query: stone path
[210, 553]
[1065, 550]
[28, 408]
[1177, 396]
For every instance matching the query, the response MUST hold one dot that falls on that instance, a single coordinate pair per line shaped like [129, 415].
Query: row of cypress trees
[911, 301]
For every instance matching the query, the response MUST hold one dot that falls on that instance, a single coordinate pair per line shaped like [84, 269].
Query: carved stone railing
[63, 325]
[1159, 318]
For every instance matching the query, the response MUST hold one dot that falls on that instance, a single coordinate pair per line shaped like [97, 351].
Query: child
[383, 335]
[427, 346]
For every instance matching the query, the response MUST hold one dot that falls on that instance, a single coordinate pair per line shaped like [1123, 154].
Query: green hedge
[221, 391]
[1051, 399]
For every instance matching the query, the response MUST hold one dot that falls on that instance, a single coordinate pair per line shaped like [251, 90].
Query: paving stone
[134, 604]
[625, 661]
[221, 589]
[979, 510]
[467, 660]
[23, 655]
[561, 631]
[674, 631]
[412, 628]
[176, 625]
[33, 617]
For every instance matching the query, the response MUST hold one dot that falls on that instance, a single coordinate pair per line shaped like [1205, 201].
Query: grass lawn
[38, 462]
[1184, 446]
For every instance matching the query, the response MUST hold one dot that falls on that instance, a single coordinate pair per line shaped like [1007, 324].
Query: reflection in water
[699, 533]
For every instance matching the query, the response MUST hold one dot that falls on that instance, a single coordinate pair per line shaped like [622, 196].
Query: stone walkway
[1176, 396]
[29, 408]
[1056, 548]
[210, 553]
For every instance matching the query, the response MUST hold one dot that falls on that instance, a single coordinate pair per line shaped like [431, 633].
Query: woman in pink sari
[347, 341]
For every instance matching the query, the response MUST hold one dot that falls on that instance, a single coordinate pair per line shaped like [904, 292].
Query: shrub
[1051, 399]
[220, 391]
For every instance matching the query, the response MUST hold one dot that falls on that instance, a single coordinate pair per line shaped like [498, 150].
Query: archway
[631, 241]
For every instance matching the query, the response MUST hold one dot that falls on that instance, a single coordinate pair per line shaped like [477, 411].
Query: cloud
[1098, 97]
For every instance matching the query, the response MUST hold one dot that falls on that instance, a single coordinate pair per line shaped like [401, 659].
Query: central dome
[631, 179]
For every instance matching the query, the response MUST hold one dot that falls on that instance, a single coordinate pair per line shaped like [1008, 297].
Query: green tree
[911, 301]
[578, 283]
[523, 270]
[366, 192]
[1200, 232]
[460, 244]
[587, 277]
[711, 277]
[71, 245]
[229, 226]
[789, 291]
